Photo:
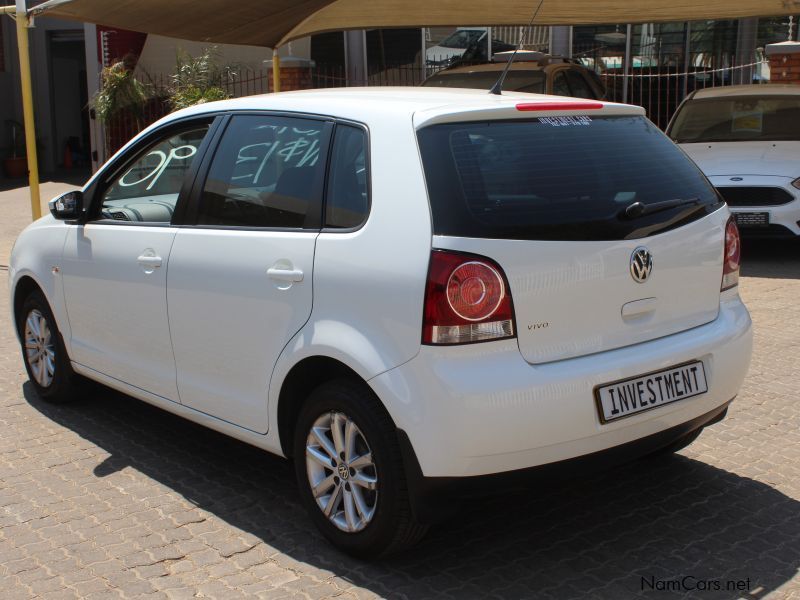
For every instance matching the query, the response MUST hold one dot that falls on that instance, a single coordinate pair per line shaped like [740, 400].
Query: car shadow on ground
[771, 258]
[612, 535]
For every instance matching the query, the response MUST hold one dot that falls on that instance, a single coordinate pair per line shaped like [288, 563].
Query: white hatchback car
[746, 139]
[408, 291]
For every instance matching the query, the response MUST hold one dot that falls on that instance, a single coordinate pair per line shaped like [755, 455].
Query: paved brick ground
[112, 498]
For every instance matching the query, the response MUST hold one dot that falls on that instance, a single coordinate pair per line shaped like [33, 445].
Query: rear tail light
[732, 257]
[466, 300]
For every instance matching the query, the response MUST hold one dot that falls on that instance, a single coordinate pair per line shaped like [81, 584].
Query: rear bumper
[482, 409]
[433, 497]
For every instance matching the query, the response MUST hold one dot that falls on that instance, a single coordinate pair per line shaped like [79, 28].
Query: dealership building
[655, 65]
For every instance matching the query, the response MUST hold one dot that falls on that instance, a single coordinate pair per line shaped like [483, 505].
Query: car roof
[359, 104]
[370, 104]
[374, 106]
[766, 89]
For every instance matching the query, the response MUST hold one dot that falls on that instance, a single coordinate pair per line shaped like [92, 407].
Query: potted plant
[15, 166]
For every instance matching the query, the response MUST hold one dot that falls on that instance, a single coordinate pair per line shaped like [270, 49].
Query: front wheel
[43, 351]
[350, 472]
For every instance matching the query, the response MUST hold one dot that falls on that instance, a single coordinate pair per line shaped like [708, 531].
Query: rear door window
[268, 171]
[558, 178]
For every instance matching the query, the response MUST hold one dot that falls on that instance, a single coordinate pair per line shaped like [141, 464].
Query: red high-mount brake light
[466, 300]
[732, 257]
[541, 106]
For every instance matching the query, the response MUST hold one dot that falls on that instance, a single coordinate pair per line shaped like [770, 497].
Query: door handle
[282, 274]
[152, 262]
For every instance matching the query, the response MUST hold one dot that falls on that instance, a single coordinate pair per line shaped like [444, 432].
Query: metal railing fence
[659, 89]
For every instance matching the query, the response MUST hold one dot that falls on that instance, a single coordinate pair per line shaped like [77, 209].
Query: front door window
[148, 190]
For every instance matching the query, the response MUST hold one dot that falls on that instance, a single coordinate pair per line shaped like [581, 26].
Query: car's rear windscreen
[560, 178]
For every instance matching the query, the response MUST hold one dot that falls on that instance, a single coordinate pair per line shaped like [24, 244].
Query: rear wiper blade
[640, 209]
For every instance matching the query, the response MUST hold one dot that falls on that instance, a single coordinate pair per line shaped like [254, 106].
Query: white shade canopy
[272, 23]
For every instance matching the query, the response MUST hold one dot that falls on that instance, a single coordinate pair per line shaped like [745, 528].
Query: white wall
[158, 54]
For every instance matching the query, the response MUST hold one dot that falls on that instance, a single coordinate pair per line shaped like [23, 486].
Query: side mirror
[67, 207]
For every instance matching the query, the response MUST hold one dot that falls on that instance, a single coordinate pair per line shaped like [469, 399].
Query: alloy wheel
[341, 472]
[39, 348]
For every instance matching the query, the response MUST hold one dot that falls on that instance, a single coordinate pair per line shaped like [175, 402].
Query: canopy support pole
[626, 70]
[27, 104]
[276, 71]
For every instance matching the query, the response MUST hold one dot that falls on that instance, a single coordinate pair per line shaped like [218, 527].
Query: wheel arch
[306, 375]
[321, 351]
[35, 264]
[24, 286]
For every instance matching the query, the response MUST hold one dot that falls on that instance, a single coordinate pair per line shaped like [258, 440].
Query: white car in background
[454, 45]
[746, 139]
[409, 291]
[470, 43]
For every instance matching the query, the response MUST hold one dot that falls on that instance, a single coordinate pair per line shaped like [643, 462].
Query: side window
[347, 203]
[148, 190]
[580, 87]
[560, 87]
[266, 172]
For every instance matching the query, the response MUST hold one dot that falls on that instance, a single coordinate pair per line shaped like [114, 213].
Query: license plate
[751, 219]
[634, 395]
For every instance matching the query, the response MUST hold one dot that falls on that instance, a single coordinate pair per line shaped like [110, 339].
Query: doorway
[69, 101]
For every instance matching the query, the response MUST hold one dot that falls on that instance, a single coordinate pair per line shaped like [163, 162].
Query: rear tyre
[350, 471]
[678, 444]
[43, 351]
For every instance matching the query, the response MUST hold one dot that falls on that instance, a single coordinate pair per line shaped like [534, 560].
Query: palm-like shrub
[120, 91]
[198, 79]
